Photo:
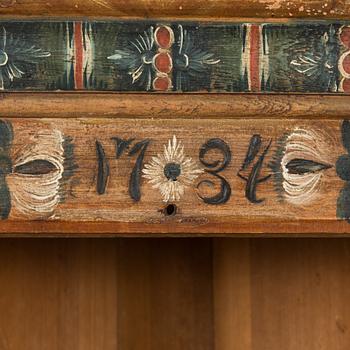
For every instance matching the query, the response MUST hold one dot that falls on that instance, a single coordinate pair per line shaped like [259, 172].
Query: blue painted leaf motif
[190, 59]
[299, 166]
[322, 65]
[343, 171]
[5, 202]
[343, 162]
[13, 53]
[139, 60]
[343, 203]
[345, 131]
[6, 137]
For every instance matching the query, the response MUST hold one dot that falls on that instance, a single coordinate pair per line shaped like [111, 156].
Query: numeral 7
[135, 177]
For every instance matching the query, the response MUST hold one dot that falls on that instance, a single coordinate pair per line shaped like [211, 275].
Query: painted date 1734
[130, 170]
[171, 172]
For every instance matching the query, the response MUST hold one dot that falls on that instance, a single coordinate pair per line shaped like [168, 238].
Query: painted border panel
[150, 56]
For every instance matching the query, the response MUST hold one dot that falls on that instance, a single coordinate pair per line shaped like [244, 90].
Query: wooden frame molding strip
[179, 9]
[173, 106]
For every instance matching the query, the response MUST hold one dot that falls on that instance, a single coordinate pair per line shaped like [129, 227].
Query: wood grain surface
[147, 294]
[105, 294]
[176, 8]
[165, 295]
[174, 175]
[284, 293]
[172, 106]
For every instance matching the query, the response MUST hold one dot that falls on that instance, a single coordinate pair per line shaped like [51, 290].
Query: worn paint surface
[144, 171]
[175, 56]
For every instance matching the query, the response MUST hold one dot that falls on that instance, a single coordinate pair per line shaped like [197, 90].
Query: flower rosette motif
[161, 57]
[319, 62]
[34, 172]
[15, 55]
[172, 171]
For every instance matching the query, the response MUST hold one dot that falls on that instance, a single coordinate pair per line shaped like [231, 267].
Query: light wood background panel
[232, 294]
[105, 294]
[165, 294]
[151, 294]
[58, 294]
[282, 294]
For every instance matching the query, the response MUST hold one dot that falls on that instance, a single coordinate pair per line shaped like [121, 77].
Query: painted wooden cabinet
[184, 167]
[187, 153]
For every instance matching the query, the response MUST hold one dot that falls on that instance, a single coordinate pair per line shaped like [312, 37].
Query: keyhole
[170, 210]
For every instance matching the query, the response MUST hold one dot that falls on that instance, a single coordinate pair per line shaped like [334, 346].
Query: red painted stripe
[79, 56]
[254, 57]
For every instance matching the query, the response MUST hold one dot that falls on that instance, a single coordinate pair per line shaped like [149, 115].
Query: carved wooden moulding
[179, 9]
[138, 175]
[175, 56]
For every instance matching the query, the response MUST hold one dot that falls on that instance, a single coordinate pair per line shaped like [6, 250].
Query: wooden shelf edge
[122, 105]
[250, 228]
[179, 9]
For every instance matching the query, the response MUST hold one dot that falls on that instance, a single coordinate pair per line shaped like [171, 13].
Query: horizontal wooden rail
[173, 106]
[216, 228]
[174, 176]
[178, 8]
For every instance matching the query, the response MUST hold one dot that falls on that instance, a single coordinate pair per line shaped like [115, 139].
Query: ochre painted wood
[177, 8]
[174, 176]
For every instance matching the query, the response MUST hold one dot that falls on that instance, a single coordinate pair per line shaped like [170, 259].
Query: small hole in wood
[170, 210]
